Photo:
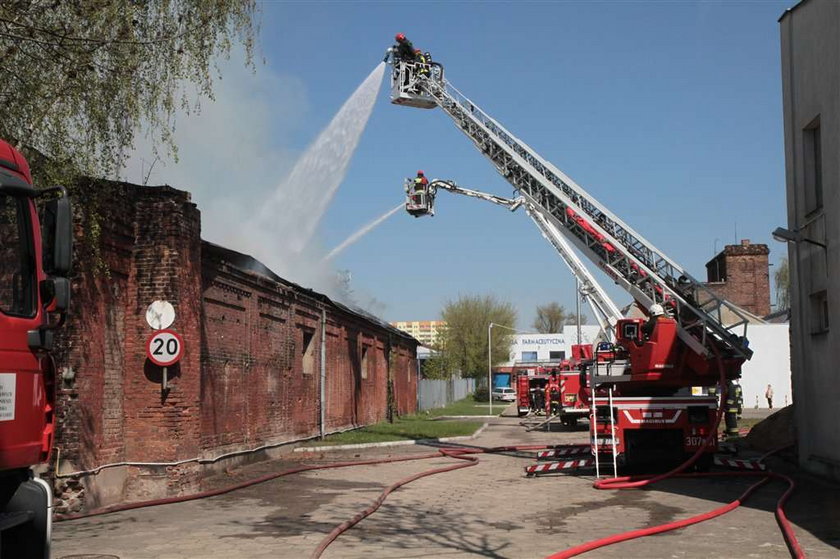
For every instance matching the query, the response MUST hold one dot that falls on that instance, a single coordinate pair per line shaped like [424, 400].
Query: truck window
[17, 266]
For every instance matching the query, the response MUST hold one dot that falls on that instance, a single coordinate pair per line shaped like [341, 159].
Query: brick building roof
[248, 263]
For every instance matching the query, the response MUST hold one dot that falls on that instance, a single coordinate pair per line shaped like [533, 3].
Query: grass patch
[403, 429]
[467, 406]
[419, 426]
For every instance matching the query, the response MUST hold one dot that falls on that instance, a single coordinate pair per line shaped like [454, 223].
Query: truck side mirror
[57, 229]
[60, 295]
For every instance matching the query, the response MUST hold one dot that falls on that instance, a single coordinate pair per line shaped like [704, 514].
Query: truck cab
[35, 254]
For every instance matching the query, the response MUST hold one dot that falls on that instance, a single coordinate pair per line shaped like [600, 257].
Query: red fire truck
[534, 386]
[35, 258]
[691, 336]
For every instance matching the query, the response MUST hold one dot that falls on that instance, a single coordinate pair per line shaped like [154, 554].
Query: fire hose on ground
[633, 482]
[467, 455]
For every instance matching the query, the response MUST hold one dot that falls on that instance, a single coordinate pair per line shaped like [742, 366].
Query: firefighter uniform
[422, 62]
[734, 406]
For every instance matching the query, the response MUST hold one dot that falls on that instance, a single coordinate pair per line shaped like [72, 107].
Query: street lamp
[787, 236]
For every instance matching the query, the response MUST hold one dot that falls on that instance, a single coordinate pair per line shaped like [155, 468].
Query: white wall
[770, 364]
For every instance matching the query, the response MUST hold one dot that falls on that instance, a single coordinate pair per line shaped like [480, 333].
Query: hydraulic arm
[603, 308]
[623, 254]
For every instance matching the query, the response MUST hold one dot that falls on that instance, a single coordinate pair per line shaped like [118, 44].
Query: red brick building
[741, 274]
[251, 375]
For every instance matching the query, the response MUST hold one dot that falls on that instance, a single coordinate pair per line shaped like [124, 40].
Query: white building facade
[547, 348]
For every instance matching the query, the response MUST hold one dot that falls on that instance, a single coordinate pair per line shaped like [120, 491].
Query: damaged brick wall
[251, 367]
[262, 360]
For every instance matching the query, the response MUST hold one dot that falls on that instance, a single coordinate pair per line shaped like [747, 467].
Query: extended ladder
[622, 253]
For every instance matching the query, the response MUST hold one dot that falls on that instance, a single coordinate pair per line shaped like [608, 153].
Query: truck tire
[29, 539]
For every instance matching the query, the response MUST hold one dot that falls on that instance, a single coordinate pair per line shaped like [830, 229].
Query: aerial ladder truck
[572, 402]
[34, 296]
[646, 415]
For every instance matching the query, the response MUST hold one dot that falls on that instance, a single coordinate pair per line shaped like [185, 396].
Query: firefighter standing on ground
[734, 407]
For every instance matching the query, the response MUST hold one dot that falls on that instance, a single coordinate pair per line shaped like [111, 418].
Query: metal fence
[438, 393]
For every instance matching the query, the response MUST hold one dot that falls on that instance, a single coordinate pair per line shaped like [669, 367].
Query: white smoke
[230, 165]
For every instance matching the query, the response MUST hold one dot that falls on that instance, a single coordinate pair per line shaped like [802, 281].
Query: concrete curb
[390, 443]
[445, 417]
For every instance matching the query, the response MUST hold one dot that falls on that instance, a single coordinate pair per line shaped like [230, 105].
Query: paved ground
[490, 510]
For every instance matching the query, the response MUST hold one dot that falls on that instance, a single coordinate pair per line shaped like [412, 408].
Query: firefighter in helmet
[422, 62]
[421, 184]
[404, 50]
[553, 394]
[656, 312]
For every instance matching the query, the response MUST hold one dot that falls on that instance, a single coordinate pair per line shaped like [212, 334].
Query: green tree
[552, 316]
[438, 366]
[80, 78]
[781, 278]
[464, 342]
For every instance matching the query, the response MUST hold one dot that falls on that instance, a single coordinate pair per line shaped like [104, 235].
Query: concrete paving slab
[490, 510]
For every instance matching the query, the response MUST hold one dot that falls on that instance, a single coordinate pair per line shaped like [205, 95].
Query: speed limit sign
[165, 347]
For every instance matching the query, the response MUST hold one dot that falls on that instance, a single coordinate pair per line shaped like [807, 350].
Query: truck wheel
[30, 539]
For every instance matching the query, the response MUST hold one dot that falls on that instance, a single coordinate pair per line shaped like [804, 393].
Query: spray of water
[279, 230]
[288, 219]
[361, 233]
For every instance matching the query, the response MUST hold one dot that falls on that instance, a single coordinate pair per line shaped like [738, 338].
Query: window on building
[529, 356]
[556, 355]
[308, 352]
[812, 163]
[365, 359]
[819, 312]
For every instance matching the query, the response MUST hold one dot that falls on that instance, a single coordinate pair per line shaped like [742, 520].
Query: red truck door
[25, 409]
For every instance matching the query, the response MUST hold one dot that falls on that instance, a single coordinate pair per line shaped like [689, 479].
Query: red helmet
[400, 37]
[420, 173]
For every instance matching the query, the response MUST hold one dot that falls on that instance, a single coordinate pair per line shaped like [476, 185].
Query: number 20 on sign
[165, 348]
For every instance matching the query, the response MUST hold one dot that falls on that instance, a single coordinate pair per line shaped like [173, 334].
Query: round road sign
[165, 347]
[160, 315]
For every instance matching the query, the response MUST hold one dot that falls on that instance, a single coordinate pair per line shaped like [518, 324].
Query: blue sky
[668, 112]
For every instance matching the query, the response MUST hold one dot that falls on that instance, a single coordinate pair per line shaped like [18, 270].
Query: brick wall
[741, 274]
[251, 368]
